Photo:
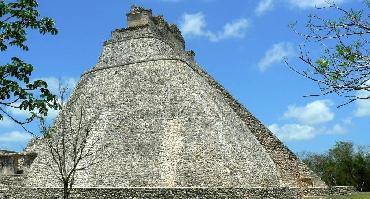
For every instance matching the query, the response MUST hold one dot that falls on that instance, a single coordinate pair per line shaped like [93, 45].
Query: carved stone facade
[170, 124]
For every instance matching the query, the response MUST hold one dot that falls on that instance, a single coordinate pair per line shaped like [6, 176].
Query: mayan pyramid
[171, 125]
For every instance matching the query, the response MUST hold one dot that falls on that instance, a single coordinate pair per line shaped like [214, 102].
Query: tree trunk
[65, 190]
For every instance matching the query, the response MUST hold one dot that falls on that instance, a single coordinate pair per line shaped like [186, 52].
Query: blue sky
[241, 43]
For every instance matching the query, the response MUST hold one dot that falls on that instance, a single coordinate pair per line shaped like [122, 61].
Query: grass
[365, 195]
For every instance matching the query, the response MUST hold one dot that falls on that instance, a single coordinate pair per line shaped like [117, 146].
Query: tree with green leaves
[17, 91]
[343, 68]
[343, 165]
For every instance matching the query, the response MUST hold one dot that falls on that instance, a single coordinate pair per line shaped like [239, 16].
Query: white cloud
[291, 132]
[14, 140]
[313, 3]
[235, 29]
[264, 6]
[310, 121]
[14, 137]
[172, 1]
[54, 83]
[316, 112]
[267, 5]
[296, 132]
[22, 114]
[6, 122]
[18, 112]
[52, 114]
[363, 106]
[177, 1]
[347, 121]
[276, 55]
[195, 25]
[337, 129]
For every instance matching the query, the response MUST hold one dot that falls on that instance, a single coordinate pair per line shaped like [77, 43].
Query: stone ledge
[179, 193]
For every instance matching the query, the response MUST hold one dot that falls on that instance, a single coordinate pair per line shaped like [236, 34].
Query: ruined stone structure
[12, 163]
[174, 131]
[13, 166]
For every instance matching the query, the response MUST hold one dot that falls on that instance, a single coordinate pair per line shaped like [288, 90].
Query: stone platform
[178, 193]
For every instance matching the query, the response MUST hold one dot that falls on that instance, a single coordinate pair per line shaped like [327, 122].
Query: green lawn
[354, 196]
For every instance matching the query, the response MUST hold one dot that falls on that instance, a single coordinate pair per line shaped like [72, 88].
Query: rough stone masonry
[174, 131]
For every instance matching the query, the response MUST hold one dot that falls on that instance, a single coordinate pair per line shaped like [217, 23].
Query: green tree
[362, 169]
[342, 157]
[342, 165]
[322, 166]
[17, 91]
[343, 68]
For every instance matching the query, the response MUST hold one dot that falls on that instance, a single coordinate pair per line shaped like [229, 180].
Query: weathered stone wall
[11, 181]
[293, 171]
[139, 17]
[7, 165]
[170, 124]
[15, 163]
[40, 173]
[178, 193]
[338, 190]
[168, 128]
[153, 193]
[291, 168]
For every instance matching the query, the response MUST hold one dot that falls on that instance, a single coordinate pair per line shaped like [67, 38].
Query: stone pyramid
[171, 124]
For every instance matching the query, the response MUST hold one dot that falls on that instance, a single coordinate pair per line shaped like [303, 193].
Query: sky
[241, 43]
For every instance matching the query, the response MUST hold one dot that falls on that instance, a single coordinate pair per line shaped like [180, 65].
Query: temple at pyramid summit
[161, 127]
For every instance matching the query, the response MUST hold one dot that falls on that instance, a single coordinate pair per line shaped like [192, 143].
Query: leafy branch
[344, 67]
[17, 91]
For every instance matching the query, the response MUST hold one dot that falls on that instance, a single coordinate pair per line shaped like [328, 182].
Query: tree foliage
[342, 165]
[344, 66]
[17, 91]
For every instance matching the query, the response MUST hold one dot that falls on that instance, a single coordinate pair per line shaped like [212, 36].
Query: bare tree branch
[72, 146]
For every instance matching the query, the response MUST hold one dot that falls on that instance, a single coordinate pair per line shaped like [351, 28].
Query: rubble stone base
[178, 193]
